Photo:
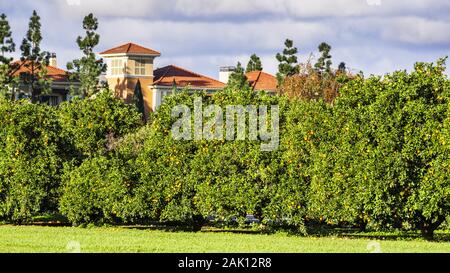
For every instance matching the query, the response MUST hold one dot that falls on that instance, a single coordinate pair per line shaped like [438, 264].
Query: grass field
[111, 239]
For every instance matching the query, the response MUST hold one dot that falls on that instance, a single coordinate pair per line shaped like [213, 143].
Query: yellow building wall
[124, 88]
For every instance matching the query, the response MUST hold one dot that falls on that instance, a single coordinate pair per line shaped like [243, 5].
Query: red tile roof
[54, 73]
[260, 80]
[171, 74]
[131, 48]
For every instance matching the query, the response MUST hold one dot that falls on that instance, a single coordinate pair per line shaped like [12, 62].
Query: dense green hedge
[90, 126]
[30, 159]
[37, 140]
[186, 181]
[386, 147]
[377, 158]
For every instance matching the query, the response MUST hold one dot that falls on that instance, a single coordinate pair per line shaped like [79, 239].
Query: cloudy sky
[376, 36]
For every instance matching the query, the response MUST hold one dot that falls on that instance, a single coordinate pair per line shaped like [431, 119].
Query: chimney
[52, 60]
[225, 72]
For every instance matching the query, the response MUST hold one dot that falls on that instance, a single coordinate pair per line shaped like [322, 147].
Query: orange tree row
[377, 158]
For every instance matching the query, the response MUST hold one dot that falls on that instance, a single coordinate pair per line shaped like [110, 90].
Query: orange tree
[36, 140]
[236, 178]
[89, 126]
[30, 157]
[388, 146]
[377, 158]
[143, 178]
[185, 181]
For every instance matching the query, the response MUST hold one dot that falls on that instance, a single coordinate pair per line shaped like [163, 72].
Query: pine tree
[342, 67]
[88, 69]
[35, 60]
[138, 99]
[6, 46]
[254, 64]
[6, 41]
[238, 79]
[323, 64]
[287, 61]
[341, 73]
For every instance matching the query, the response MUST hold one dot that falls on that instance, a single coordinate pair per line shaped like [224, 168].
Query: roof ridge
[57, 68]
[24, 62]
[127, 48]
[267, 73]
[184, 76]
[53, 72]
[197, 74]
[117, 47]
[164, 74]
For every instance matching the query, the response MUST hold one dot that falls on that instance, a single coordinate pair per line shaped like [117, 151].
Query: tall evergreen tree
[342, 67]
[6, 46]
[287, 61]
[323, 64]
[35, 60]
[254, 64]
[138, 99]
[238, 79]
[88, 68]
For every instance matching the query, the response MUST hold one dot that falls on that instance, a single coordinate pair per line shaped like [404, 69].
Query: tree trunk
[13, 95]
[362, 225]
[427, 228]
[197, 222]
[427, 233]
[34, 94]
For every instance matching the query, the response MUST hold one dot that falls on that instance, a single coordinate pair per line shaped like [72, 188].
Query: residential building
[168, 77]
[260, 80]
[129, 64]
[126, 65]
[60, 83]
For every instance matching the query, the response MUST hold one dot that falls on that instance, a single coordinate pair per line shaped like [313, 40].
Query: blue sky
[376, 36]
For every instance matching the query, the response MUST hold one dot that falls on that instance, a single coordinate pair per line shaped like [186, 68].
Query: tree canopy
[254, 64]
[288, 65]
[87, 69]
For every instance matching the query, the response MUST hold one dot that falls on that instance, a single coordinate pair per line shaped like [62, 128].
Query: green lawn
[111, 239]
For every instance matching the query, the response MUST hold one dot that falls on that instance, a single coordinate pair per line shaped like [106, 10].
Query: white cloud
[418, 31]
[205, 34]
[186, 38]
[214, 8]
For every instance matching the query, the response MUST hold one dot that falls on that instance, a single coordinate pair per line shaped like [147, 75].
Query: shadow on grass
[57, 220]
[438, 237]
[351, 233]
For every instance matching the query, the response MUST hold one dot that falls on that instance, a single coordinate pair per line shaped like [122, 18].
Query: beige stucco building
[130, 63]
[126, 65]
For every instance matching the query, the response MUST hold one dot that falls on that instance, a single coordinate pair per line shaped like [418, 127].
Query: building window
[116, 67]
[50, 100]
[139, 66]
